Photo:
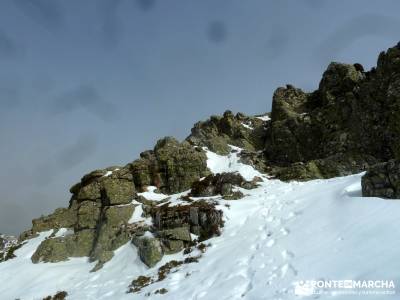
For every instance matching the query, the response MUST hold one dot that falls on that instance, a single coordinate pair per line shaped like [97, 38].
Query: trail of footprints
[267, 250]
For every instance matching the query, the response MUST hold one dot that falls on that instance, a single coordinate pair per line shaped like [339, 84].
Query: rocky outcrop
[350, 123]
[173, 229]
[100, 207]
[222, 184]
[172, 166]
[8, 244]
[382, 180]
[200, 217]
[217, 133]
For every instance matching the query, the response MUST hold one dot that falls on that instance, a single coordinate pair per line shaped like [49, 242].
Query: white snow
[150, 194]
[264, 118]
[230, 163]
[279, 234]
[137, 215]
[247, 126]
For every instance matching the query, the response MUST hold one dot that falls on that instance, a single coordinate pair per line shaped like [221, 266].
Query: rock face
[201, 218]
[173, 229]
[382, 180]
[8, 244]
[99, 209]
[239, 130]
[172, 166]
[221, 184]
[348, 124]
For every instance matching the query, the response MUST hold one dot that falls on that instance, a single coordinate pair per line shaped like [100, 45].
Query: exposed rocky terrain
[167, 201]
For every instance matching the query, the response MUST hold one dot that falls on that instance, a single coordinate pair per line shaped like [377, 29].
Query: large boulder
[150, 250]
[382, 180]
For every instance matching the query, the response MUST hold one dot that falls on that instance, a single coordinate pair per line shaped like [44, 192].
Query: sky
[90, 84]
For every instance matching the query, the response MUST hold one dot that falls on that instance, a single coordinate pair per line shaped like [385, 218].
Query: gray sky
[89, 84]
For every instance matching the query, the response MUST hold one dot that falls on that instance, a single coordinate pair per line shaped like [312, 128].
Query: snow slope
[279, 234]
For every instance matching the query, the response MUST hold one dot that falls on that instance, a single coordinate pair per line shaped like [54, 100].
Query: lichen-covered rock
[61, 218]
[118, 191]
[172, 166]
[382, 180]
[111, 232]
[353, 115]
[61, 248]
[202, 218]
[88, 215]
[174, 240]
[220, 184]
[239, 130]
[332, 166]
[150, 250]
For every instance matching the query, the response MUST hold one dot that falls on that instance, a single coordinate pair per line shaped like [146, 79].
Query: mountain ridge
[167, 202]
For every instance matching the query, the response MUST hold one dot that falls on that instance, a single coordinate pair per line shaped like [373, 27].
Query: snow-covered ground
[279, 234]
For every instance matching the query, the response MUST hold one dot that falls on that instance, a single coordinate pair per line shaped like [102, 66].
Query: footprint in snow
[284, 231]
[286, 255]
[270, 243]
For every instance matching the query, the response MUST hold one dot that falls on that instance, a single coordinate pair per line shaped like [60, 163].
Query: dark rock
[174, 240]
[202, 218]
[217, 133]
[150, 250]
[382, 180]
[58, 296]
[352, 117]
[220, 184]
[172, 167]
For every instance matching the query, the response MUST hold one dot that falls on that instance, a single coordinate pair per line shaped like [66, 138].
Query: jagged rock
[61, 248]
[220, 184]
[174, 240]
[8, 245]
[88, 215]
[333, 166]
[236, 195]
[256, 159]
[61, 218]
[58, 296]
[218, 133]
[111, 234]
[118, 191]
[150, 250]
[172, 166]
[96, 239]
[382, 180]
[353, 116]
[202, 218]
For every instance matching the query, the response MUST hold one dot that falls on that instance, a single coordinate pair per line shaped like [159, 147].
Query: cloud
[78, 152]
[86, 97]
[145, 5]
[8, 47]
[13, 217]
[9, 97]
[69, 157]
[45, 12]
[358, 27]
[111, 26]
[216, 32]
[277, 43]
